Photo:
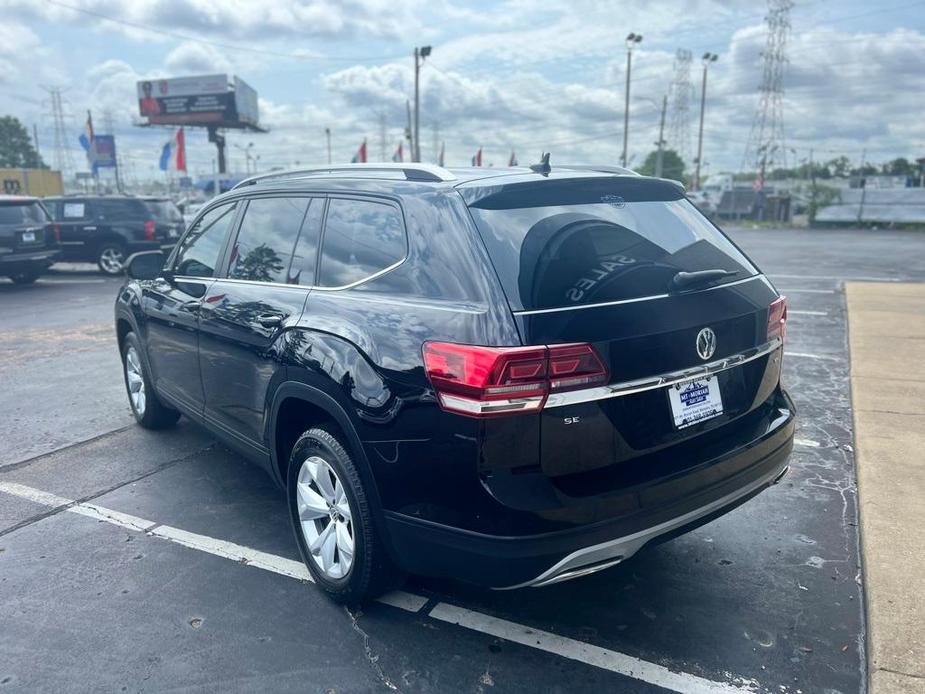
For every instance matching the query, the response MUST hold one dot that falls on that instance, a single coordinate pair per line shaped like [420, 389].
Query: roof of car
[17, 199]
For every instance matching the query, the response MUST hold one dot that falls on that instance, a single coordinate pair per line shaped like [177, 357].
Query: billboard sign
[103, 152]
[245, 100]
[201, 100]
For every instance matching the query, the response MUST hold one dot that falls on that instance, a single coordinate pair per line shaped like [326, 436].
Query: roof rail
[412, 172]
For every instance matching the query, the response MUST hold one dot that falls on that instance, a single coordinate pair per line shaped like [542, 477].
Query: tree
[899, 167]
[672, 165]
[16, 150]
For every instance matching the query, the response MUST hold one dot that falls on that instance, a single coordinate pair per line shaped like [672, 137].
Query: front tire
[333, 522]
[149, 411]
[109, 258]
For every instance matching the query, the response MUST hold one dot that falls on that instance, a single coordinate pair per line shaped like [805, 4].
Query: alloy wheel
[111, 260]
[325, 517]
[136, 383]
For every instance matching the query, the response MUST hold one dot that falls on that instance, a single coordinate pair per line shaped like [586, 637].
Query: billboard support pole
[219, 140]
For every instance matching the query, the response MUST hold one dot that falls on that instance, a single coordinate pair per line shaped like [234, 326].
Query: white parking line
[45, 280]
[791, 312]
[584, 652]
[563, 646]
[805, 291]
[806, 355]
[806, 443]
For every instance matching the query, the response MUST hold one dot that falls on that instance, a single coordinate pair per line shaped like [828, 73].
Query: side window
[198, 252]
[266, 239]
[302, 270]
[361, 238]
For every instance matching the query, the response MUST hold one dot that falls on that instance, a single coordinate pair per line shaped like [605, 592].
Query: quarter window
[263, 249]
[302, 269]
[199, 250]
[361, 238]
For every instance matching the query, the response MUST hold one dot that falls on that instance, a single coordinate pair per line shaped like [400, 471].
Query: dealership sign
[202, 100]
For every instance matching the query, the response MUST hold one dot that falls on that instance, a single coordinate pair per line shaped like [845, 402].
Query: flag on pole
[86, 137]
[360, 156]
[513, 160]
[173, 155]
[399, 154]
[477, 158]
[440, 156]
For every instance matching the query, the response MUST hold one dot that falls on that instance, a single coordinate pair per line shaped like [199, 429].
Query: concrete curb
[886, 328]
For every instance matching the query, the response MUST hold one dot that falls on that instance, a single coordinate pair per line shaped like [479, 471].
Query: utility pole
[661, 139]
[35, 143]
[409, 129]
[435, 132]
[863, 182]
[327, 134]
[812, 187]
[383, 137]
[64, 162]
[419, 55]
[707, 59]
[631, 40]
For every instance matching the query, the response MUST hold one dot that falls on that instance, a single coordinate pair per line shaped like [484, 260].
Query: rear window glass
[22, 213]
[587, 242]
[118, 210]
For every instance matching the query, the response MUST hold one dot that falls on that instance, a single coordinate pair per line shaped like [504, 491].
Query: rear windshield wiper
[687, 280]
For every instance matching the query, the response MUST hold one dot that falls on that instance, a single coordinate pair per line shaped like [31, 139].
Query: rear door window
[262, 251]
[568, 243]
[116, 210]
[361, 238]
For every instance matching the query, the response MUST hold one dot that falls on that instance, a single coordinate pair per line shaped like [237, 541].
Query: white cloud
[196, 58]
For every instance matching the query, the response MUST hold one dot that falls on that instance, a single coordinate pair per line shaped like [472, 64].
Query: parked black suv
[106, 229]
[167, 217]
[28, 238]
[510, 377]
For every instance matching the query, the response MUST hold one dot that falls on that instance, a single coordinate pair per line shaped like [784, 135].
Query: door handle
[269, 320]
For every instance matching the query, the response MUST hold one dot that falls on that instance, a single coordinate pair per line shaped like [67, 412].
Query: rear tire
[109, 258]
[334, 525]
[27, 277]
[149, 411]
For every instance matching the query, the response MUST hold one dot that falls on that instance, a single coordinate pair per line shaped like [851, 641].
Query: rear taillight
[56, 230]
[777, 318]
[490, 381]
[149, 230]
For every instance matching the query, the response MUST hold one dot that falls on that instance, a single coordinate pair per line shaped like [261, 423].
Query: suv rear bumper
[428, 548]
[11, 263]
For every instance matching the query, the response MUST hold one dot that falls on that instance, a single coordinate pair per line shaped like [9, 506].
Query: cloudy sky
[527, 75]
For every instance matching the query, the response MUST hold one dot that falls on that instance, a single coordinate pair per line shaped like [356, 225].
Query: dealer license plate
[695, 401]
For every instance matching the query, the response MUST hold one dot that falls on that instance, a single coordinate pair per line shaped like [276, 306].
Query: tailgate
[651, 347]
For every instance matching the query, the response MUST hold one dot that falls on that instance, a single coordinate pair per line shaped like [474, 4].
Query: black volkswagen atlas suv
[510, 377]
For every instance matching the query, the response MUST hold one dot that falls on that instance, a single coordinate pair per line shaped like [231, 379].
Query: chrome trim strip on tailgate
[537, 311]
[615, 390]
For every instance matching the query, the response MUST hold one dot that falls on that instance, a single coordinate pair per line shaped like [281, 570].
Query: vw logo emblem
[706, 343]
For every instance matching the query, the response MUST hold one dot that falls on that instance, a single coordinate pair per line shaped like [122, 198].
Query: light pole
[247, 155]
[419, 55]
[707, 59]
[327, 134]
[631, 40]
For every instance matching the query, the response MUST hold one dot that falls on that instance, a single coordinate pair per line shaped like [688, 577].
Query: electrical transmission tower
[765, 149]
[681, 91]
[64, 162]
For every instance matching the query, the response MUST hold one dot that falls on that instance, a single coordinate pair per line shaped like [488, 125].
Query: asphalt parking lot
[141, 561]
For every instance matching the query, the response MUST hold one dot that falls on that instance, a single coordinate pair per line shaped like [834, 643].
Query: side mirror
[146, 265]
